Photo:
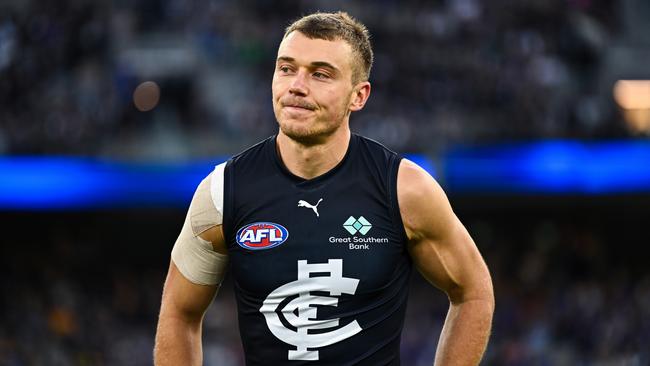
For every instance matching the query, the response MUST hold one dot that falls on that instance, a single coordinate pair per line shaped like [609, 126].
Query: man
[320, 228]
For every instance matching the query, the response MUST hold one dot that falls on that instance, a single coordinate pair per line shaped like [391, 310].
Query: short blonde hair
[335, 26]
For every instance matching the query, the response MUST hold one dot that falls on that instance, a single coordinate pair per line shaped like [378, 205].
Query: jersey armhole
[393, 171]
[216, 187]
[222, 195]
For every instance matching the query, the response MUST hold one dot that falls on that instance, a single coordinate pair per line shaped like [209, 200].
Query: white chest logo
[303, 203]
[301, 312]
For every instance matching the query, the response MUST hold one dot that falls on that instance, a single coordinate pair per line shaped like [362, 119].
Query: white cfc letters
[301, 312]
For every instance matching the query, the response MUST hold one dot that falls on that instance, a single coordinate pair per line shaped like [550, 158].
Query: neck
[311, 161]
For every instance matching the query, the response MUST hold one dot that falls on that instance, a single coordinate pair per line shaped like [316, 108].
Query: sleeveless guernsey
[319, 266]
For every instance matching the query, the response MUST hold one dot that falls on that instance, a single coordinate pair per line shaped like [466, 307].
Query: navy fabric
[355, 228]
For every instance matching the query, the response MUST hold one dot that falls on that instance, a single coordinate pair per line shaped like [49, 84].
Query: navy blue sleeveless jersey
[319, 266]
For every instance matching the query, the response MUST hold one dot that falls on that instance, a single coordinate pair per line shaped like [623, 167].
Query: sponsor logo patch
[360, 225]
[261, 235]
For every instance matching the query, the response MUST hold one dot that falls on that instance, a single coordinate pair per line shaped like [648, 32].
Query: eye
[285, 69]
[320, 75]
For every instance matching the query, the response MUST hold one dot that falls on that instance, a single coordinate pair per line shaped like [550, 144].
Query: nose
[298, 84]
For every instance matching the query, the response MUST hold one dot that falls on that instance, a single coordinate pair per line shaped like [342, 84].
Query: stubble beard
[313, 132]
[309, 133]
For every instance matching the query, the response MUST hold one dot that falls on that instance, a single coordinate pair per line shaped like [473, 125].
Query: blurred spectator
[446, 72]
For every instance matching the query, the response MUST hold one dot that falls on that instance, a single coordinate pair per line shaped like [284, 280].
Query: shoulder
[373, 146]
[412, 178]
[423, 205]
[253, 151]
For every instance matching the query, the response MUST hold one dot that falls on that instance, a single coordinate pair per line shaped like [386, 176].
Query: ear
[360, 95]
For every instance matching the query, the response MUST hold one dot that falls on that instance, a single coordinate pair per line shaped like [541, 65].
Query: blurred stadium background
[534, 115]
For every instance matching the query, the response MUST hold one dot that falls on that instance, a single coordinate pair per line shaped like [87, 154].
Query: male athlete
[320, 229]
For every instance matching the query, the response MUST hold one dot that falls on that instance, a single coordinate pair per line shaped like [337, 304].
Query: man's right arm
[178, 336]
[197, 267]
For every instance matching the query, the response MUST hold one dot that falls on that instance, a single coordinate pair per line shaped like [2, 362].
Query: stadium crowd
[445, 72]
[84, 288]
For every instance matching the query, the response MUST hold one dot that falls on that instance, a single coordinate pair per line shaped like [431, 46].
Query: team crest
[261, 235]
[291, 310]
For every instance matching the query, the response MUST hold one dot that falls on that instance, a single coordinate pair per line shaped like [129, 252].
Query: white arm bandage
[194, 256]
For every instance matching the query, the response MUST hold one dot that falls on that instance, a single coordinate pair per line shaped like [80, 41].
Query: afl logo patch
[261, 235]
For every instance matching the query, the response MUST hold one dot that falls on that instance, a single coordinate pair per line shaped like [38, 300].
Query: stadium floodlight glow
[632, 94]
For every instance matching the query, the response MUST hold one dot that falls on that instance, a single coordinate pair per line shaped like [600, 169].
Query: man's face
[312, 86]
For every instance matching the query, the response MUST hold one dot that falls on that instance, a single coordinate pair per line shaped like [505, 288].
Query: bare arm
[445, 254]
[178, 335]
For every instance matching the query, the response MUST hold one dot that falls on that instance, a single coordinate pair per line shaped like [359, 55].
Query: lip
[297, 108]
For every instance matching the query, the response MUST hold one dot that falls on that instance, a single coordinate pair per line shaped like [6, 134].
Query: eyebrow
[313, 64]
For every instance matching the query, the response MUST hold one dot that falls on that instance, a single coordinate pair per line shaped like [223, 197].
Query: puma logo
[303, 203]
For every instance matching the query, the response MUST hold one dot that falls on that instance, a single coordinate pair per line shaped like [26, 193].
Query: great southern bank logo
[261, 235]
[360, 225]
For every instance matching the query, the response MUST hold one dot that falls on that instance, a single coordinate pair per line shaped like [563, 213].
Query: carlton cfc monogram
[301, 312]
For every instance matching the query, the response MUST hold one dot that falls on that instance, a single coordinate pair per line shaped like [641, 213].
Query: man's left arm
[445, 254]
